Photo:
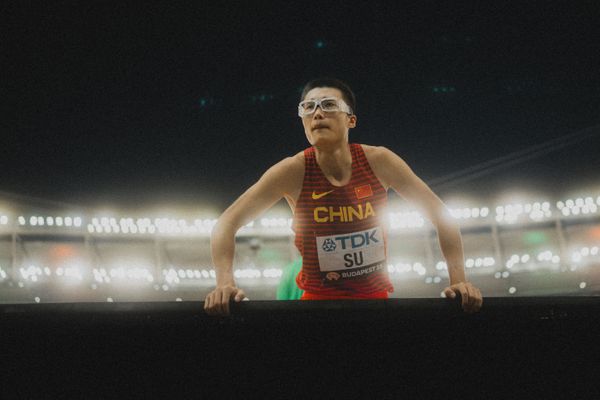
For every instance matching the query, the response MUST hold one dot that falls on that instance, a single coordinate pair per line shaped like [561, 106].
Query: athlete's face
[327, 128]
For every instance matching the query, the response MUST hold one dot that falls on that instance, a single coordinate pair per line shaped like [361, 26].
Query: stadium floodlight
[489, 261]
[570, 203]
[97, 277]
[272, 273]
[73, 272]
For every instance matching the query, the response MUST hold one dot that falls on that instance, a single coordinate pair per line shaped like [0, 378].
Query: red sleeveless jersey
[340, 232]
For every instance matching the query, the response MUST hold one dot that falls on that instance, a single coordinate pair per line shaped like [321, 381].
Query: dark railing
[424, 310]
[524, 347]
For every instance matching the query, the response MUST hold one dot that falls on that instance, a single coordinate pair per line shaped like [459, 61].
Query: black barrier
[509, 310]
[398, 348]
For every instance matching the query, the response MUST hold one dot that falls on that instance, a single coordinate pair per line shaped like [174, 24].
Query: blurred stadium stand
[526, 248]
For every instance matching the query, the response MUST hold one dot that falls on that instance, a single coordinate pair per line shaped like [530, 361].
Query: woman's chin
[324, 141]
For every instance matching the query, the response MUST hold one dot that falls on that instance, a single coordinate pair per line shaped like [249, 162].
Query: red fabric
[312, 296]
[323, 209]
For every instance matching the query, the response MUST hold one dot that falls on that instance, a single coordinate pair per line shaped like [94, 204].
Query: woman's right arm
[284, 178]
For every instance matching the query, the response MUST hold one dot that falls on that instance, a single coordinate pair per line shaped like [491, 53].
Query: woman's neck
[335, 162]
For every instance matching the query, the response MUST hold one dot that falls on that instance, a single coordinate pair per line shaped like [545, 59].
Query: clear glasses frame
[340, 105]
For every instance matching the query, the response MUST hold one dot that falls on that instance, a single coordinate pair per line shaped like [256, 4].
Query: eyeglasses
[327, 104]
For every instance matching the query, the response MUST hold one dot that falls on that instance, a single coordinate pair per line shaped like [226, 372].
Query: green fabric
[288, 289]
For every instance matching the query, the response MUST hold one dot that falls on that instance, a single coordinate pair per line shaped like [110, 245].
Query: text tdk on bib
[351, 255]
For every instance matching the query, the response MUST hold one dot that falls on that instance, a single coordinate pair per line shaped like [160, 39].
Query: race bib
[351, 255]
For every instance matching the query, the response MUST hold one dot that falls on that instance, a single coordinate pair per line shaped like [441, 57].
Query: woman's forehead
[321, 92]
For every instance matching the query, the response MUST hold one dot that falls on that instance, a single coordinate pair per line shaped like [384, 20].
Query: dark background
[135, 104]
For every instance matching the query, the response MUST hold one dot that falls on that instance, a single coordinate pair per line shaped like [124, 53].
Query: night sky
[143, 103]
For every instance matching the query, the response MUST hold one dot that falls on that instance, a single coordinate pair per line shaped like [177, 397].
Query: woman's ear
[352, 121]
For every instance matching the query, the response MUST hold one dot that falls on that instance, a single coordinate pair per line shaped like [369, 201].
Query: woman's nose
[318, 112]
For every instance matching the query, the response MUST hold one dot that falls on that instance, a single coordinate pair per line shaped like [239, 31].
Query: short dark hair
[347, 94]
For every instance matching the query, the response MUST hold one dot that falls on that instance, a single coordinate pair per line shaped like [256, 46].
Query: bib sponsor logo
[333, 276]
[329, 245]
[343, 213]
[351, 255]
[356, 240]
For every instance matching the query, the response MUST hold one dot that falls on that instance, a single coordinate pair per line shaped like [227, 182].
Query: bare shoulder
[378, 154]
[287, 174]
[292, 166]
[374, 153]
[386, 164]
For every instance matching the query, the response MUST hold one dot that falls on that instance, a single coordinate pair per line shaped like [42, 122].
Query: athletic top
[340, 232]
